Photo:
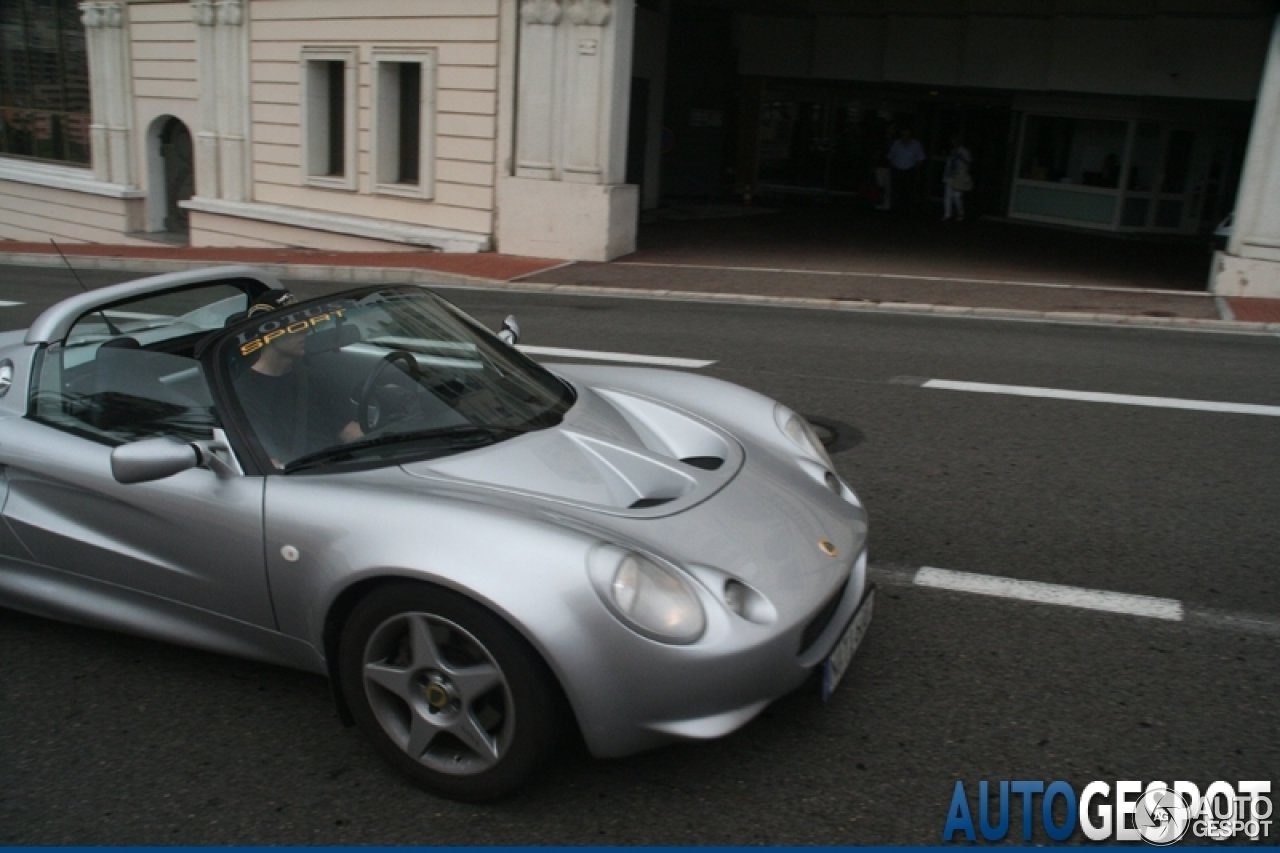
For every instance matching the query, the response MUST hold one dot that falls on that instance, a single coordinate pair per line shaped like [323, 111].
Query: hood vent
[634, 480]
[649, 503]
[670, 432]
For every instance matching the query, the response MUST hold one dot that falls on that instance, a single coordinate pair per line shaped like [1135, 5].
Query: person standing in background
[956, 179]
[905, 156]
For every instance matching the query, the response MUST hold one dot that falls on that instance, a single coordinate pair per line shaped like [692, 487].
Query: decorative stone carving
[544, 12]
[109, 90]
[204, 13]
[230, 13]
[99, 15]
[588, 13]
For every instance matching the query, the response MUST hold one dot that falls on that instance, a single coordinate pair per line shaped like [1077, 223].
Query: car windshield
[381, 376]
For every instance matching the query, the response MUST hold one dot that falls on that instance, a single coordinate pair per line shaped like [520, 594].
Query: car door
[194, 538]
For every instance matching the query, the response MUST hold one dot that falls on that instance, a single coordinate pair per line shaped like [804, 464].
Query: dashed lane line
[593, 355]
[6, 304]
[1101, 397]
[1061, 595]
[1051, 593]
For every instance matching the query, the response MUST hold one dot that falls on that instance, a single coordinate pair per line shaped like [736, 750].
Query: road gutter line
[910, 277]
[1102, 397]
[905, 309]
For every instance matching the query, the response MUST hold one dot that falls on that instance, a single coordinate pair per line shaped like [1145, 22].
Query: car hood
[633, 436]
[616, 452]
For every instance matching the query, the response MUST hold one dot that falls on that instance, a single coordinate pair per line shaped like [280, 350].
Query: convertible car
[478, 551]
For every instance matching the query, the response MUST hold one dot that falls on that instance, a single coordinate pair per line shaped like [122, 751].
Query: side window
[163, 318]
[116, 391]
[127, 371]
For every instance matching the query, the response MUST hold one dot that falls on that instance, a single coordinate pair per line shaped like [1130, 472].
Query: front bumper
[697, 693]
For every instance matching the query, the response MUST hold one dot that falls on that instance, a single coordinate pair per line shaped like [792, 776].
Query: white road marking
[1049, 593]
[1100, 397]
[1168, 609]
[666, 361]
[5, 304]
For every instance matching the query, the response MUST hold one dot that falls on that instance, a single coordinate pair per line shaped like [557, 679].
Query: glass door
[1166, 179]
[795, 142]
[1173, 200]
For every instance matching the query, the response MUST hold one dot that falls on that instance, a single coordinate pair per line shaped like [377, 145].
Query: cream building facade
[384, 125]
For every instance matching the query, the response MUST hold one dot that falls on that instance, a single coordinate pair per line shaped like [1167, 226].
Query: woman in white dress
[956, 179]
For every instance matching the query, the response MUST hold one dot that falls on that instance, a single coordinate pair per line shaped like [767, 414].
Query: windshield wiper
[481, 435]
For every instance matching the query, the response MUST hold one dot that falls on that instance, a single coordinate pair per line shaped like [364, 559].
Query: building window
[1122, 175]
[403, 144]
[1085, 152]
[44, 81]
[1069, 170]
[329, 113]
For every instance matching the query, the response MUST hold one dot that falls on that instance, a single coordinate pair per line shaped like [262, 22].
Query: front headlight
[801, 434]
[649, 598]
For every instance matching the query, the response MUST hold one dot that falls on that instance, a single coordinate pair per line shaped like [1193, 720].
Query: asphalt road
[106, 739]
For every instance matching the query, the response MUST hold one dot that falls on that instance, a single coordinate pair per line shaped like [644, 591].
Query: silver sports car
[477, 550]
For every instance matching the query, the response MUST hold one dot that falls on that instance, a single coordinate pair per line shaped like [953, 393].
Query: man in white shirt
[905, 156]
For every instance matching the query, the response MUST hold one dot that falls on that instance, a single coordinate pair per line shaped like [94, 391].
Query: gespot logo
[1159, 814]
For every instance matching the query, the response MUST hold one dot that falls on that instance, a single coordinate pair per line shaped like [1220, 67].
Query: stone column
[223, 75]
[565, 197]
[232, 98]
[109, 75]
[1251, 264]
[208, 182]
[118, 131]
[588, 69]
[537, 105]
[91, 17]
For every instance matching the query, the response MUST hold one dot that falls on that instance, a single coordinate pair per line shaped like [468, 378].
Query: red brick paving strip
[479, 265]
[1256, 310]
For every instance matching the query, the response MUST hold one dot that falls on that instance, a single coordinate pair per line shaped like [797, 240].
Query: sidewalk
[741, 277]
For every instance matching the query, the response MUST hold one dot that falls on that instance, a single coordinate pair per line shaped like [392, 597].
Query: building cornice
[62, 178]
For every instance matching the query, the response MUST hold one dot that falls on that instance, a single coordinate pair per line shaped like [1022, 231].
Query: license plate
[835, 666]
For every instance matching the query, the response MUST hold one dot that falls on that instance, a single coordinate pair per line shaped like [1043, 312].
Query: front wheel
[449, 693]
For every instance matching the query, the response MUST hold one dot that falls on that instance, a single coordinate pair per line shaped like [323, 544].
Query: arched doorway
[171, 174]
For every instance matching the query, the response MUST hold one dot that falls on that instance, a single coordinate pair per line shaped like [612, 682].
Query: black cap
[269, 301]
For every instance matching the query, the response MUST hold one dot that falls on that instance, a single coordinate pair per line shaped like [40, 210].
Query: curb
[1062, 318]
[296, 272]
[439, 278]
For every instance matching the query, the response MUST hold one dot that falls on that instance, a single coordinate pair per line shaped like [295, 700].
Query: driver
[289, 413]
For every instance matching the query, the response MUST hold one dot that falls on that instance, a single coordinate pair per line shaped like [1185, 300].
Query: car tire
[451, 695]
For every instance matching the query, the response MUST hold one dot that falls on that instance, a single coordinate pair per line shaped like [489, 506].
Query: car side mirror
[152, 459]
[510, 332]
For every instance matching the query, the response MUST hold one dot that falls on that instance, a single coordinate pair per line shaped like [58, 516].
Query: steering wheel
[368, 410]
